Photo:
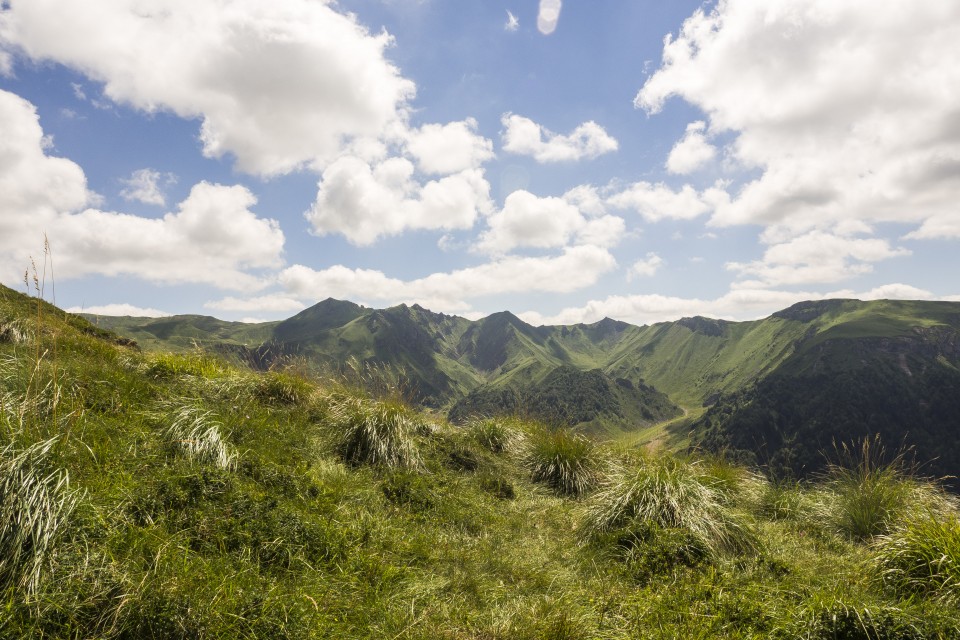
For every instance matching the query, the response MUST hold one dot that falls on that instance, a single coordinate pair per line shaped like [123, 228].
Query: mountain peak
[326, 314]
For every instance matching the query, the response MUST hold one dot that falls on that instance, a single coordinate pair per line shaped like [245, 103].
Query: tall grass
[34, 508]
[198, 437]
[868, 493]
[567, 462]
[922, 557]
[199, 364]
[375, 432]
[667, 493]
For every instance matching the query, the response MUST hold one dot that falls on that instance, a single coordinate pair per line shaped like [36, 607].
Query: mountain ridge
[723, 372]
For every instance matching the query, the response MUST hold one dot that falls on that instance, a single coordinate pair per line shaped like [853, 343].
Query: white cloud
[365, 202]
[896, 291]
[938, 227]
[605, 231]
[449, 148]
[34, 187]
[548, 15]
[646, 268]
[513, 23]
[814, 257]
[587, 199]
[144, 186]
[737, 304]
[212, 238]
[523, 136]
[527, 220]
[6, 64]
[692, 151]
[277, 303]
[277, 84]
[657, 202]
[121, 309]
[573, 269]
[848, 110]
[530, 221]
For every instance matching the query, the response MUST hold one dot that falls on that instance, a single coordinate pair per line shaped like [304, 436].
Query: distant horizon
[502, 311]
[638, 160]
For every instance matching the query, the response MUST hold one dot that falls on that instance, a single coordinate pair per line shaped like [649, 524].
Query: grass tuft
[198, 364]
[495, 434]
[867, 494]
[378, 433]
[282, 388]
[923, 558]
[667, 493]
[563, 460]
[196, 436]
[16, 332]
[34, 508]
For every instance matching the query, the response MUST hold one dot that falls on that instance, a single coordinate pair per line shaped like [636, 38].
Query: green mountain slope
[891, 369]
[185, 332]
[589, 400]
[819, 368]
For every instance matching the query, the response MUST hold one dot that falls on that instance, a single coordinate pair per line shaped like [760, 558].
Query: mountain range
[782, 391]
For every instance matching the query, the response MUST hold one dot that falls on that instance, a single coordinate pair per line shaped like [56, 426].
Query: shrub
[667, 493]
[195, 435]
[923, 557]
[563, 460]
[34, 508]
[375, 432]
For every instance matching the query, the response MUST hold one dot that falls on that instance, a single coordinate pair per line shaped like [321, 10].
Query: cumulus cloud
[527, 220]
[213, 237]
[574, 268]
[815, 257]
[365, 202]
[277, 303]
[144, 185]
[657, 202]
[737, 304]
[34, 187]
[276, 84]
[121, 309]
[846, 110]
[523, 136]
[692, 151]
[449, 148]
[647, 267]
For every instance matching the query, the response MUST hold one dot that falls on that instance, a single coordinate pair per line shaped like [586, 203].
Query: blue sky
[566, 161]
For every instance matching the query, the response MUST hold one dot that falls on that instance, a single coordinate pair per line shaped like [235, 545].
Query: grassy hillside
[778, 390]
[891, 372]
[168, 495]
[184, 333]
[590, 401]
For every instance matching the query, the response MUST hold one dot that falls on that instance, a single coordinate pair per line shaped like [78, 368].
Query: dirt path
[656, 444]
